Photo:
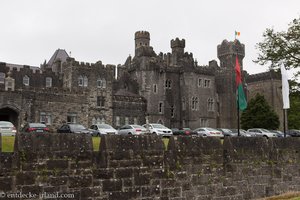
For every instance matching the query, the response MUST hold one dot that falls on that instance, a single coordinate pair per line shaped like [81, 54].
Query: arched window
[26, 80]
[194, 103]
[80, 81]
[210, 104]
[2, 77]
[48, 82]
[85, 81]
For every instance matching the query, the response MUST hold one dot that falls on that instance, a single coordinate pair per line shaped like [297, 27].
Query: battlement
[270, 75]
[142, 34]
[177, 43]
[231, 48]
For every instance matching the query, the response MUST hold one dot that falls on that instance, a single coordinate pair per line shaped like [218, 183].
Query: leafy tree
[281, 47]
[293, 112]
[259, 114]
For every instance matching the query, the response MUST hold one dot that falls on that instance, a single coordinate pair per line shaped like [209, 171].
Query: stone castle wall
[132, 167]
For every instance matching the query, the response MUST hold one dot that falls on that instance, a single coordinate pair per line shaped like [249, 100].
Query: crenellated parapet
[270, 75]
[142, 34]
[177, 43]
[231, 48]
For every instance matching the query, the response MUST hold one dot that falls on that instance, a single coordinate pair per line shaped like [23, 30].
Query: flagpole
[238, 96]
[284, 122]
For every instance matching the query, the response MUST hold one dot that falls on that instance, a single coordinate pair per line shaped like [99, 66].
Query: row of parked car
[7, 128]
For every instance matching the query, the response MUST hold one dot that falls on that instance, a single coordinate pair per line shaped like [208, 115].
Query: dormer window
[26, 80]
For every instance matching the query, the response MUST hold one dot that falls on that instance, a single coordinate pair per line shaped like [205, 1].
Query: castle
[168, 88]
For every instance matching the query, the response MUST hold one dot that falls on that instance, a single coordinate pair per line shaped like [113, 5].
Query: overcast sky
[96, 30]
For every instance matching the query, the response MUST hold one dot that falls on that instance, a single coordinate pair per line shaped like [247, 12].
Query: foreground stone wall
[139, 167]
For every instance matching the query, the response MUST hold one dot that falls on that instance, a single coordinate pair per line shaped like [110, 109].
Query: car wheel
[265, 136]
[98, 134]
[154, 133]
[129, 133]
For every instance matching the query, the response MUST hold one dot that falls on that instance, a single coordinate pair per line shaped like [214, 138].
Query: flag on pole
[241, 99]
[237, 33]
[285, 88]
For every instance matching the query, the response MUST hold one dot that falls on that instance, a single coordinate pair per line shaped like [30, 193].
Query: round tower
[178, 46]
[227, 52]
[142, 38]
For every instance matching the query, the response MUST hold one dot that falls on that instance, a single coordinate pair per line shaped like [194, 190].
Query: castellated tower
[142, 38]
[178, 46]
[225, 82]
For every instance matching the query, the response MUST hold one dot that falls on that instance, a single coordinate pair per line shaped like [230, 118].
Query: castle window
[210, 104]
[100, 101]
[48, 82]
[200, 82]
[2, 77]
[203, 122]
[168, 84]
[85, 81]
[183, 104]
[172, 111]
[161, 107]
[101, 83]
[207, 83]
[71, 118]
[80, 81]
[155, 88]
[126, 120]
[26, 80]
[135, 120]
[45, 118]
[118, 121]
[194, 103]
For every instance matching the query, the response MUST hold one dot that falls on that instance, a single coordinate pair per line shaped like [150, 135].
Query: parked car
[7, 128]
[158, 129]
[210, 132]
[243, 133]
[102, 129]
[35, 128]
[278, 133]
[227, 132]
[132, 130]
[73, 128]
[183, 131]
[261, 132]
[293, 133]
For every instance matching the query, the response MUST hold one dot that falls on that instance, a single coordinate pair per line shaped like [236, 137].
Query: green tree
[259, 114]
[281, 47]
[293, 112]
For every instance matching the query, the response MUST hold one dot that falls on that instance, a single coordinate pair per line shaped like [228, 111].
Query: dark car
[183, 131]
[227, 132]
[293, 133]
[73, 128]
[35, 128]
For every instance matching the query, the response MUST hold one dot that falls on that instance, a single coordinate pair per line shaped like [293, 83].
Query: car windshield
[137, 126]
[104, 126]
[211, 129]
[36, 125]
[265, 130]
[6, 124]
[226, 130]
[158, 126]
[77, 127]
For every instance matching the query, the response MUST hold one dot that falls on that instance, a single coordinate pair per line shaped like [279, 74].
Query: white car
[7, 128]
[102, 129]
[132, 130]
[158, 129]
[260, 132]
[209, 132]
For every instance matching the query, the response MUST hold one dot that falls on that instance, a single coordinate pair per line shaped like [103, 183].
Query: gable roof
[60, 54]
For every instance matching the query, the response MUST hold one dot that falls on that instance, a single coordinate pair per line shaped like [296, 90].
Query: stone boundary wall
[139, 167]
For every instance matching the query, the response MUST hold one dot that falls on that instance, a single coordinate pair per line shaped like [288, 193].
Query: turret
[227, 52]
[178, 46]
[142, 38]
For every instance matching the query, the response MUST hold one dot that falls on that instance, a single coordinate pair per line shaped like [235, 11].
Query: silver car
[7, 128]
[102, 129]
[260, 132]
[209, 132]
[132, 130]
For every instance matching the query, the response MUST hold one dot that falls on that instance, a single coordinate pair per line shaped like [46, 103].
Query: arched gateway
[8, 113]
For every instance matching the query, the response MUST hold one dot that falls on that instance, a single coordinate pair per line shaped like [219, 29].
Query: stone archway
[9, 114]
